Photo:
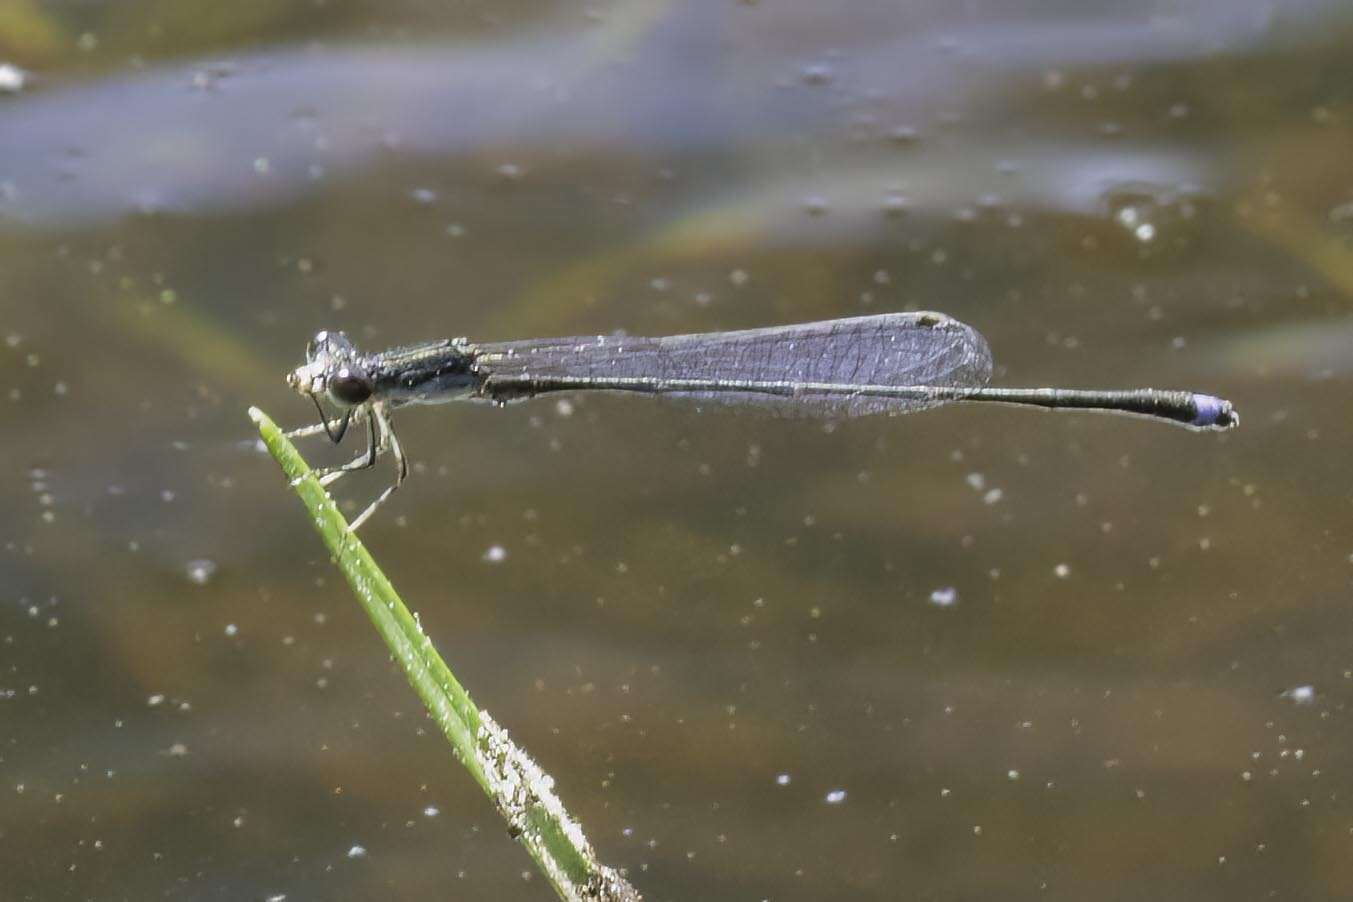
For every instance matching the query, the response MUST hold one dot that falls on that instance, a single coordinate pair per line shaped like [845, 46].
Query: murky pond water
[965, 654]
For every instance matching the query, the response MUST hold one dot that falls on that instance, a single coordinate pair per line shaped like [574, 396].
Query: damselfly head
[333, 368]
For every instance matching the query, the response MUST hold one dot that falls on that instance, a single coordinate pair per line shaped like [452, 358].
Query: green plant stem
[522, 792]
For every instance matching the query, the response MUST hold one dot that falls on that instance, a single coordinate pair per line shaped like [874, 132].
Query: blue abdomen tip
[1213, 413]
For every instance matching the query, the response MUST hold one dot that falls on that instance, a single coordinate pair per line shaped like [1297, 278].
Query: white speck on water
[155, 700]
[1132, 218]
[12, 78]
[564, 408]
[423, 195]
[1012, 774]
[1302, 695]
[232, 630]
[977, 481]
[357, 852]
[836, 797]
[944, 597]
[993, 496]
[431, 811]
[739, 277]
[896, 203]
[201, 571]
[1062, 571]
[816, 74]
[903, 134]
[262, 165]
[280, 897]
[495, 554]
[783, 779]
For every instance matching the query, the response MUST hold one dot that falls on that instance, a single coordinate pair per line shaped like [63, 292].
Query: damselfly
[892, 363]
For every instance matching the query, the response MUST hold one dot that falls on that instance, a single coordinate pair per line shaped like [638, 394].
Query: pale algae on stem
[521, 791]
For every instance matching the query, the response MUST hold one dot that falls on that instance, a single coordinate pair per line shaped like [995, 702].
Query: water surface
[966, 654]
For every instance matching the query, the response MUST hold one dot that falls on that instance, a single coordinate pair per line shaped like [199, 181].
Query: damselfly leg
[380, 438]
[380, 419]
[306, 431]
[364, 461]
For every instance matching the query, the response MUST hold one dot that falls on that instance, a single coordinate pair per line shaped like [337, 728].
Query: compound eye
[313, 345]
[349, 388]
